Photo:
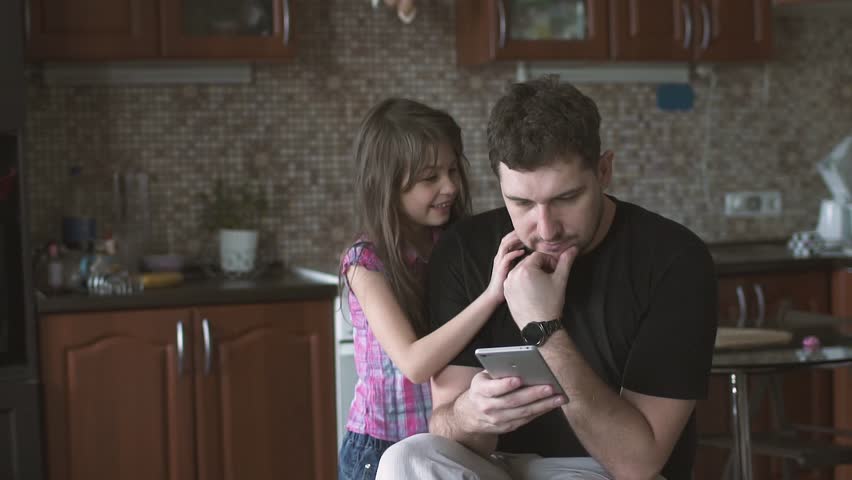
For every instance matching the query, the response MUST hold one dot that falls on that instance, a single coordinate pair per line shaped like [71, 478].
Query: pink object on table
[811, 343]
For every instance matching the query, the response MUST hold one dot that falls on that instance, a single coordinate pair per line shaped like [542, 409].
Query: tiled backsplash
[754, 127]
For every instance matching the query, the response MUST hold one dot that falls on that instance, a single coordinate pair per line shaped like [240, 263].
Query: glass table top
[779, 358]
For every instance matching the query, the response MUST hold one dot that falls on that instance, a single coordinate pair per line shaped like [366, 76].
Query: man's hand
[535, 288]
[501, 405]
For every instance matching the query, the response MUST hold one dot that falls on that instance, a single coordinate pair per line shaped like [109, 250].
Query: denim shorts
[359, 456]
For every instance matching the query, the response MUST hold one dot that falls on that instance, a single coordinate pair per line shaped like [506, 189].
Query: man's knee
[404, 457]
[416, 446]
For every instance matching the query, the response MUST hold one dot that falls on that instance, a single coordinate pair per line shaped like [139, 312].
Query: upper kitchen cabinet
[732, 30]
[93, 29]
[488, 30]
[100, 30]
[621, 30]
[691, 30]
[247, 29]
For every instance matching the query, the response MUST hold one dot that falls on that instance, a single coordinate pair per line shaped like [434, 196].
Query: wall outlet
[753, 204]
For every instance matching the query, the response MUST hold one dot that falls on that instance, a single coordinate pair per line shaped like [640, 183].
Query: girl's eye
[430, 178]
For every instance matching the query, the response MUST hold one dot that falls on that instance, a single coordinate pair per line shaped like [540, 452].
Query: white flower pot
[237, 250]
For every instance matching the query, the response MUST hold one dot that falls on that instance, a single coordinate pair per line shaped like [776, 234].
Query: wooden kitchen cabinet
[807, 393]
[92, 29]
[621, 30]
[203, 393]
[241, 29]
[488, 30]
[732, 30]
[842, 382]
[101, 30]
[118, 395]
[691, 30]
[265, 392]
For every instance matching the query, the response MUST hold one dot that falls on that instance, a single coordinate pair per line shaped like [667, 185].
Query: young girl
[410, 183]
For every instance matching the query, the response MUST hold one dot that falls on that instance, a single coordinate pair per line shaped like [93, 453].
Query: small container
[55, 279]
[163, 263]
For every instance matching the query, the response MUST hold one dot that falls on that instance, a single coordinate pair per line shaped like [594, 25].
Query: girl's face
[430, 200]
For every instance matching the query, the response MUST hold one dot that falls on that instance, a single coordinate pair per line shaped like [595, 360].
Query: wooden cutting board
[732, 337]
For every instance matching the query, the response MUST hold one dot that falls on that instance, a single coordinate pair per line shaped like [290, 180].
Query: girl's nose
[449, 185]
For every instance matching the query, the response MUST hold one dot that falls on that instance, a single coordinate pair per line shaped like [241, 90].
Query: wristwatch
[536, 333]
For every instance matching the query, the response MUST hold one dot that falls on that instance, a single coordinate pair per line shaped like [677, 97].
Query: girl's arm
[419, 359]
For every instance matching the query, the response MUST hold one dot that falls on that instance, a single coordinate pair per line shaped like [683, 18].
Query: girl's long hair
[397, 140]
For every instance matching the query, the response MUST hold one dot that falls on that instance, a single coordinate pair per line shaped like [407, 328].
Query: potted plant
[235, 212]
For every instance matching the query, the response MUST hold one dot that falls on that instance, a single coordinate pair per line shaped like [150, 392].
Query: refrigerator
[20, 413]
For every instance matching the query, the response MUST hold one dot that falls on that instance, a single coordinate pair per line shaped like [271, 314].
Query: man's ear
[604, 172]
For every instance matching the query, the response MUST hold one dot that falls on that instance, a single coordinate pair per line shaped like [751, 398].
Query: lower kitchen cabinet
[841, 306]
[757, 298]
[225, 392]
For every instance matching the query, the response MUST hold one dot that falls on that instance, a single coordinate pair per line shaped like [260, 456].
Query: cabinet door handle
[208, 354]
[501, 22]
[687, 25]
[761, 305]
[286, 22]
[741, 302]
[705, 21]
[180, 352]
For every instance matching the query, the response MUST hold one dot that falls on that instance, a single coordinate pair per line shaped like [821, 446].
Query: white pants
[432, 457]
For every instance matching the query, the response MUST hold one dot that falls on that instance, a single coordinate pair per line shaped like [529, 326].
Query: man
[621, 302]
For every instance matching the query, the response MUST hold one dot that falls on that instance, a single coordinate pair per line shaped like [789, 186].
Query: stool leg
[741, 426]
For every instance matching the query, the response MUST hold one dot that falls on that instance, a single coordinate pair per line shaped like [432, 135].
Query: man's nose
[548, 227]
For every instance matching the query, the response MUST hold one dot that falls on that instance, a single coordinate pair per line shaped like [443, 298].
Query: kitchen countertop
[765, 257]
[295, 283]
[278, 285]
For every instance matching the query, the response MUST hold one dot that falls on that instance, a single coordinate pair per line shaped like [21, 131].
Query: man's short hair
[537, 122]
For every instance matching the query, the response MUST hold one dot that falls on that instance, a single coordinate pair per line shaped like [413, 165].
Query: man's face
[559, 205]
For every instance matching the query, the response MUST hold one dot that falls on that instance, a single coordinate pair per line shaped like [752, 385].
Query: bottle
[55, 279]
[78, 221]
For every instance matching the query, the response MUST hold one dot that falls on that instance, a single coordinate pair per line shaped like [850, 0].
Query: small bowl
[163, 263]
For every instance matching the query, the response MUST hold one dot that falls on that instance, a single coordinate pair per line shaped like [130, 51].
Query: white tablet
[523, 361]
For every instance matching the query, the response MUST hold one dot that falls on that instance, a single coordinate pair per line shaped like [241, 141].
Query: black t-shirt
[641, 308]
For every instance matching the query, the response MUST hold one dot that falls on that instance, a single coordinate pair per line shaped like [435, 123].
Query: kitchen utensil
[131, 217]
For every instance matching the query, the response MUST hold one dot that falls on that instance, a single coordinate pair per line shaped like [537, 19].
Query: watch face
[533, 333]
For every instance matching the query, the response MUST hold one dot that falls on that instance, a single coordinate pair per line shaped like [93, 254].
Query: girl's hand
[510, 249]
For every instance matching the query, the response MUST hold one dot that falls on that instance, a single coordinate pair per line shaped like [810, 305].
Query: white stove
[344, 353]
